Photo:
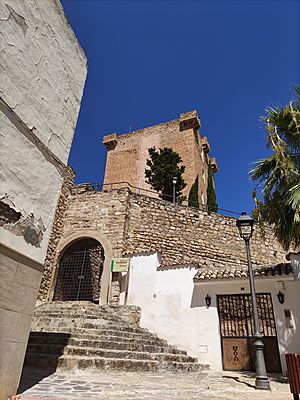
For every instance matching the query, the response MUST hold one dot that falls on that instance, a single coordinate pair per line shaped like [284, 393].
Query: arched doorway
[79, 271]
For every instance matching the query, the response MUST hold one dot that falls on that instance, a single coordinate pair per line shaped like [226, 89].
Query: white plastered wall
[166, 298]
[43, 71]
[174, 307]
[29, 184]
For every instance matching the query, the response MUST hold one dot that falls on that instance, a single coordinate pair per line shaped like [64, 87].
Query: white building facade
[43, 71]
[174, 306]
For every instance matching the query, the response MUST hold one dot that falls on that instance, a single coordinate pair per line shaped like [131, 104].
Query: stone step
[117, 327]
[182, 366]
[53, 343]
[72, 313]
[39, 337]
[129, 346]
[58, 350]
[68, 362]
[104, 341]
[127, 314]
[107, 353]
[120, 354]
[121, 334]
[141, 341]
[87, 324]
[95, 333]
[55, 328]
[80, 318]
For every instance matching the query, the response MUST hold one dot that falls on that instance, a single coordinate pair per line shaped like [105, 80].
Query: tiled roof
[223, 273]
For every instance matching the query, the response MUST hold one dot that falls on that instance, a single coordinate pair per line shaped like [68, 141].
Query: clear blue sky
[149, 61]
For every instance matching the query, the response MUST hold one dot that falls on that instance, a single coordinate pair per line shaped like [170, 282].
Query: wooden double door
[237, 327]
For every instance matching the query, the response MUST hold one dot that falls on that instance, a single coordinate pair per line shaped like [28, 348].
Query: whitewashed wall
[174, 308]
[169, 309]
[43, 71]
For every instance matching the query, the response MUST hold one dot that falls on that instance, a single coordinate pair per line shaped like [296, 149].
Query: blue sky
[149, 61]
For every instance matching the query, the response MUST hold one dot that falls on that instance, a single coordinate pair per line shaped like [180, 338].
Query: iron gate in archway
[236, 327]
[79, 272]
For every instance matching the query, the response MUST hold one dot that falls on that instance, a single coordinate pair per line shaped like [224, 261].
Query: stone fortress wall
[135, 224]
[127, 154]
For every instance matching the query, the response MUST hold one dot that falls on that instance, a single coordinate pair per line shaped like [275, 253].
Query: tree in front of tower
[193, 200]
[212, 204]
[163, 167]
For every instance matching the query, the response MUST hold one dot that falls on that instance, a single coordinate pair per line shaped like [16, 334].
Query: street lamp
[174, 189]
[245, 225]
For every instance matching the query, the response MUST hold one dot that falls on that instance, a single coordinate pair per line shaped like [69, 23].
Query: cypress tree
[212, 204]
[193, 200]
[164, 166]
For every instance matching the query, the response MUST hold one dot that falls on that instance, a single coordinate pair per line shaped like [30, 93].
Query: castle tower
[127, 154]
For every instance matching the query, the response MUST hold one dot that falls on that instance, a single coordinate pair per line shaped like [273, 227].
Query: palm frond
[279, 174]
[263, 168]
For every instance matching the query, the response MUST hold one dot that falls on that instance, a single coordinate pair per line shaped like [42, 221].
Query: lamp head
[208, 300]
[280, 297]
[174, 180]
[245, 225]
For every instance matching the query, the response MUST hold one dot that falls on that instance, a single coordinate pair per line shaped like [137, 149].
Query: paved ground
[148, 386]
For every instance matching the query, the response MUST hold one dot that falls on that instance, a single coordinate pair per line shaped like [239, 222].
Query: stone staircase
[81, 335]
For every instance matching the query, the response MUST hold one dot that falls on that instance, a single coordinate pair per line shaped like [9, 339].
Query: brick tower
[127, 154]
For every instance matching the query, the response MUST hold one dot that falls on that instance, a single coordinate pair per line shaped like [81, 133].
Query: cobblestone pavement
[159, 386]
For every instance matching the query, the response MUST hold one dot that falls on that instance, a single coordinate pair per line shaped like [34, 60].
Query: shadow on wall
[198, 297]
[288, 339]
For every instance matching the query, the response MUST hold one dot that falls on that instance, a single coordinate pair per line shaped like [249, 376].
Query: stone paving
[102, 385]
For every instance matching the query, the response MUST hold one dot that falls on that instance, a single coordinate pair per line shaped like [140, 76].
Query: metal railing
[107, 187]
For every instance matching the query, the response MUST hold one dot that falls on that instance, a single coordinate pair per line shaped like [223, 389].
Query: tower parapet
[110, 141]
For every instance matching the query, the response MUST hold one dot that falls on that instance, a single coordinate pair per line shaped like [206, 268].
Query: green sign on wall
[119, 265]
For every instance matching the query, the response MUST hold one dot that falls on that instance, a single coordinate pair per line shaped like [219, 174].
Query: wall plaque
[119, 265]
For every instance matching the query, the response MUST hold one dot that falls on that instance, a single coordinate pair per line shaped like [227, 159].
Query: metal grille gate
[79, 275]
[236, 327]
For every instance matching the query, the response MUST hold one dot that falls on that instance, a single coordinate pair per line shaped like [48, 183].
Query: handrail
[99, 187]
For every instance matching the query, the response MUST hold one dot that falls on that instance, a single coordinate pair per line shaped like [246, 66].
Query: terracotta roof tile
[204, 273]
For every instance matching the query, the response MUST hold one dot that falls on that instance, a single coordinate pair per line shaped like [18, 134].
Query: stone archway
[67, 240]
[79, 271]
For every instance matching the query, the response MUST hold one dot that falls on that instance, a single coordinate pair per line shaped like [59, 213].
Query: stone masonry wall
[56, 233]
[135, 224]
[186, 236]
[105, 212]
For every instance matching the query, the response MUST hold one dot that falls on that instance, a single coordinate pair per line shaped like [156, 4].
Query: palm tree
[279, 174]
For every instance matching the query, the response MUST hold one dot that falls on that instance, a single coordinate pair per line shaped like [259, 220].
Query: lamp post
[174, 189]
[245, 225]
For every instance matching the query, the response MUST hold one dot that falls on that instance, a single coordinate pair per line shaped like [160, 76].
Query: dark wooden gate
[236, 326]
